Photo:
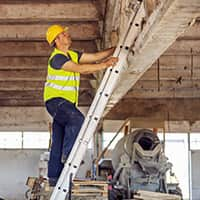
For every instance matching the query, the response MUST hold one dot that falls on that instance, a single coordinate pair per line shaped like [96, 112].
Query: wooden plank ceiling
[174, 77]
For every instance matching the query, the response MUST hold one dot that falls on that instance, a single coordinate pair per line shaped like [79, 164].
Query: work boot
[52, 182]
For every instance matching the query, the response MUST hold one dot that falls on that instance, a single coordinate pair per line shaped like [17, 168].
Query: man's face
[64, 38]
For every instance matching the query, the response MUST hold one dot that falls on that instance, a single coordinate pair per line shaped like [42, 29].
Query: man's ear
[56, 41]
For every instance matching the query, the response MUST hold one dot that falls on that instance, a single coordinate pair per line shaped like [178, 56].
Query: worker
[61, 93]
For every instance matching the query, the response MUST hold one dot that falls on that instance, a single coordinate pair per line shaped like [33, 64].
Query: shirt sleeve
[58, 60]
[79, 54]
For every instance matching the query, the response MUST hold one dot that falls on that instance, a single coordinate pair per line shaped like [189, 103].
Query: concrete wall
[17, 165]
[26, 118]
[87, 165]
[195, 162]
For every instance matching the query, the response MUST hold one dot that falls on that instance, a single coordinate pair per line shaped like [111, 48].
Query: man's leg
[55, 166]
[75, 120]
[68, 116]
[71, 132]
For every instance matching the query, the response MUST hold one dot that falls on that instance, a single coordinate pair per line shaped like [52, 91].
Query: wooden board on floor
[89, 188]
[146, 195]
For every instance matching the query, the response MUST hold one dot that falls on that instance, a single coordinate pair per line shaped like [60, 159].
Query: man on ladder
[61, 93]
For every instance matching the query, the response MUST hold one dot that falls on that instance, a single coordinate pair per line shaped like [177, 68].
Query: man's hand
[111, 61]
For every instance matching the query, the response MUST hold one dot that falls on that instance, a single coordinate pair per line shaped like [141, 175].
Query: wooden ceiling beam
[184, 48]
[175, 61]
[27, 69]
[20, 98]
[40, 62]
[23, 74]
[162, 28]
[23, 102]
[180, 62]
[83, 101]
[23, 62]
[190, 92]
[160, 109]
[171, 74]
[165, 84]
[183, 126]
[29, 48]
[27, 94]
[192, 33]
[33, 85]
[23, 118]
[31, 75]
[78, 30]
[48, 12]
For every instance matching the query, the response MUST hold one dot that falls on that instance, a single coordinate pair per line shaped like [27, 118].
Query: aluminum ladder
[107, 86]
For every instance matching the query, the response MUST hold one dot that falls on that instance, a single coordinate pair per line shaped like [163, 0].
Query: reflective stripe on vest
[62, 83]
[59, 87]
[63, 78]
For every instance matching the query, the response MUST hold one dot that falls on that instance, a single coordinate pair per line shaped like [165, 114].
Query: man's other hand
[111, 61]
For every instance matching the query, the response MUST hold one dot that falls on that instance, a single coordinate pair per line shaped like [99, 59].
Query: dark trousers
[67, 121]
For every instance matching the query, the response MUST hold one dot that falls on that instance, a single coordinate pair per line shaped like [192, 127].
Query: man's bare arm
[89, 68]
[95, 57]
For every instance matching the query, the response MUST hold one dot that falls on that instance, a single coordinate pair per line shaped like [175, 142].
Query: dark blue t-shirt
[59, 59]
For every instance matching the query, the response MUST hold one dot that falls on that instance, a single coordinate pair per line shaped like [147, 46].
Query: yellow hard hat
[53, 31]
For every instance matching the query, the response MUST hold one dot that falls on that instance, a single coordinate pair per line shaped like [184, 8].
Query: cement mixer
[139, 163]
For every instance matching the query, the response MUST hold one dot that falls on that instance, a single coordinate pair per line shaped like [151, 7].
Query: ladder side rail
[83, 140]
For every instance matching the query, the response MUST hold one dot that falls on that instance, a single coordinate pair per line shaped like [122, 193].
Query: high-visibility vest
[62, 83]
